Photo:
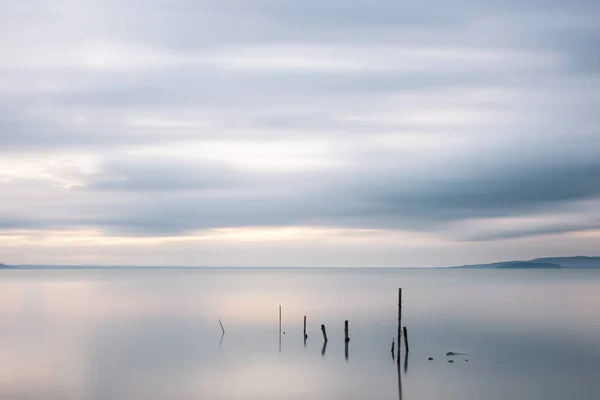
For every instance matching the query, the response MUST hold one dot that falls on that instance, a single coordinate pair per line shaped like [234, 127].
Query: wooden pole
[393, 343]
[405, 339]
[324, 332]
[305, 335]
[399, 321]
[346, 337]
[220, 323]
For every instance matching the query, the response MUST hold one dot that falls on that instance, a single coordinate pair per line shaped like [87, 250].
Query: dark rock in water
[430, 358]
[451, 353]
[466, 360]
[450, 361]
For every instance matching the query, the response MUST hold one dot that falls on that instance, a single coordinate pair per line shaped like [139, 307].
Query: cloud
[147, 175]
[165, 197]
[199, 115]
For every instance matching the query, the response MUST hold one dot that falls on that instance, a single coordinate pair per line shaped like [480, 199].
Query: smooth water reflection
[68, 334]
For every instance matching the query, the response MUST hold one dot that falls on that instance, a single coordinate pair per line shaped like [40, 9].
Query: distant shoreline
[577, 262]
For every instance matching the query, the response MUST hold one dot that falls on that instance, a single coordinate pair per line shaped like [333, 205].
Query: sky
[371, 133]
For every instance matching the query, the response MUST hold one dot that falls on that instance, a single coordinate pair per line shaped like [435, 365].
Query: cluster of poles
[402, 332]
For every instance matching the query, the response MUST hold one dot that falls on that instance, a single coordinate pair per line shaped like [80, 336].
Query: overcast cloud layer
[307, 133]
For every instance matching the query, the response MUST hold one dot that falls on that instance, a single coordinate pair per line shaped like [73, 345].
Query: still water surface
[155, 334]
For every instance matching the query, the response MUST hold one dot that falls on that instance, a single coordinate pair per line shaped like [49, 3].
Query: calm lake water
[155, 334]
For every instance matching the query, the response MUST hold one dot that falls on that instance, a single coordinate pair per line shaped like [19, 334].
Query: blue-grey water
[155, 334]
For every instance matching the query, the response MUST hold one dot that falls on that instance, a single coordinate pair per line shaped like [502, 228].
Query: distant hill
[571, 262]
[542, 263]
[528, 264]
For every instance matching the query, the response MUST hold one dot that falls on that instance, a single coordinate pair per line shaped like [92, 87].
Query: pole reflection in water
[399, 381]
[346, 351]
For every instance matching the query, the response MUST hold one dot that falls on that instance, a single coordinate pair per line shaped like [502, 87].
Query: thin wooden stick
[405, 339]
[346, 337]
[305, 335]
[324, 333]
[399, 322]
[220, 323]
[324, 349]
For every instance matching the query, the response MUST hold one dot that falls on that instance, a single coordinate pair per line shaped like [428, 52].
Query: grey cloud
[175, 199]
[376, 188]
[524, 232]
[580, 48]
[21, 131]
[169, 204]
[154, 174]
[208, 24]
[11, 222]
[254, 201]
[497, 194]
